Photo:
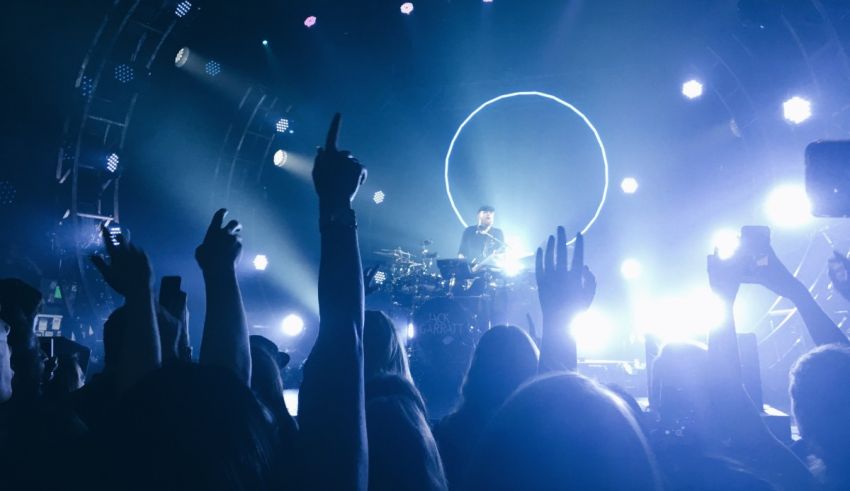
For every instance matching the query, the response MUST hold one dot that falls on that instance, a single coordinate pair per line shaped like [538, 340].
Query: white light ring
[545, 96]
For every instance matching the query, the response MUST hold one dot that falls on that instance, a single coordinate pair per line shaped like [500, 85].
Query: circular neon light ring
[545, 96]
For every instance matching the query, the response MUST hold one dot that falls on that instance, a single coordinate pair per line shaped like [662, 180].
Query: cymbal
[385, 252]
[397, 252]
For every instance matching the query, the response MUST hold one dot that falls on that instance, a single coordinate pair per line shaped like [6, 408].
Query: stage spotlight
[7, 193]
[692, 89]
[282, 125]
[406, 8]
[114, 232]
[112, 162]
[86, 86]
[292, 325]
[265, 42]
[378, 197]
[124, 73]
[488, 1]
[629, 185]
[280, 157]
[212, 68]
[630, 269]
[591, 330]
[183, 8]
[681, 317]
[788, 206]
[261, 262]
[726, 242]
[182, 57]
[797, 109]
[411, 331]
[310, 21]
[380, 278]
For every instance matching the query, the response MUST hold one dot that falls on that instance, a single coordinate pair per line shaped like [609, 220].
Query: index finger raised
[217, 221]
[578, 253]
[333, 132]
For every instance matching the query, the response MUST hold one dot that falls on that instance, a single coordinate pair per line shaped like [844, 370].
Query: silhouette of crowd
[157, 418]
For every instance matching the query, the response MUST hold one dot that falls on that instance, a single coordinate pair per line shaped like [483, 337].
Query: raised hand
[563, 291]
[724, 276]
[337, 175]
[225, 339]
[776, 277]
[222, 246]
[129, 271]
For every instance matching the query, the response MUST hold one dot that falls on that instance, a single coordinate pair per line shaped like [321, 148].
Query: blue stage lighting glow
[114, 232]
[630, 269]
[279, 158]
[183, 8]
[124, 73]
[112, 162]
[788, 206]
[692, 89]
[292, 325]
[182, 57]
[592, 331]
[7, 193]
[726, 242]
[380, 277]
[261, 262]
[212, 68]
[797, 109]
[629, 185]
[686, 315]
[526, 94]
[86, 86]
[265, 42]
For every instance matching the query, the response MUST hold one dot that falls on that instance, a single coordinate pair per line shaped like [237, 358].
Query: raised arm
[129, 273]
[776, 277]
[563, 293]
[225, 339]
[331, 400]
[737, 422]
[725, 279]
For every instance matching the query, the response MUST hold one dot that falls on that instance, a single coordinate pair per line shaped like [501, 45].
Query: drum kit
[449, 304]
[413, 279]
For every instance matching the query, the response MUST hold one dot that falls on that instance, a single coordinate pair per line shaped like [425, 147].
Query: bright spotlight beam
[292, 325]
[261, 262]
[182, 57]
[797, 109]
[629, 185]
[592, 331]
[692, 89]
[630, 269]
[726, 242]
[788, 206]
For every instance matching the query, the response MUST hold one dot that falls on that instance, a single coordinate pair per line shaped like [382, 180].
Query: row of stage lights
[795, 109]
